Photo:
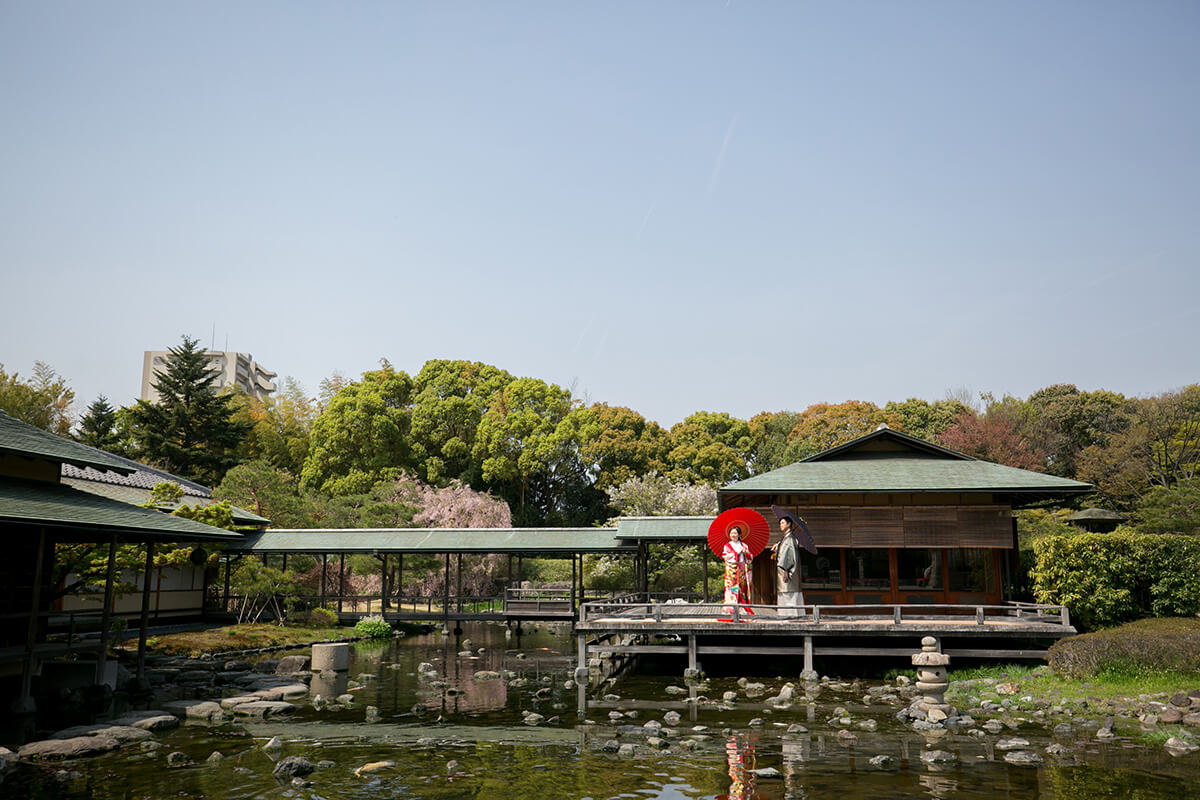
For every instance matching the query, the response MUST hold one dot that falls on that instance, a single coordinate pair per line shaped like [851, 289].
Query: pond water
[449, 735]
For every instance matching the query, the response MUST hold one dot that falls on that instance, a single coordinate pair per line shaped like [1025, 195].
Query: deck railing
[633, 606]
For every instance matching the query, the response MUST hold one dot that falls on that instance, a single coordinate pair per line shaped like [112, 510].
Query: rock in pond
[291, 664]
[75, 747]
[938, 757]
[195, 709]
[148, 720]
[178, 759]
[1023, 757]
[1180, 745]
[881, 761]
[122, 733]
[291, 767]
[261, 709]
[215, 757]
[273, 744]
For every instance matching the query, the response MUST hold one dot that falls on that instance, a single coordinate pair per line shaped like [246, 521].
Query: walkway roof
[528, 541]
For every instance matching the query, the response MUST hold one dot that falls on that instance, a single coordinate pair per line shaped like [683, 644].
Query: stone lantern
[931, 680]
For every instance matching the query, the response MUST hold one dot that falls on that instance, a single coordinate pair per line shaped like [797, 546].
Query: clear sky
[675, 206]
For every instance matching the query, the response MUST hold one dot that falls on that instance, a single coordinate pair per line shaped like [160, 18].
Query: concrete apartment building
[232, 369]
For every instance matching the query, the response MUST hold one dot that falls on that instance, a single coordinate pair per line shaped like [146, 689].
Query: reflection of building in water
[796, 751]
[939, 787]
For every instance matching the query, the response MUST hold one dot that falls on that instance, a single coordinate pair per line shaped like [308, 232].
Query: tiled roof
[23, 439]
[138, 496]
[40, 503]
[142, 476]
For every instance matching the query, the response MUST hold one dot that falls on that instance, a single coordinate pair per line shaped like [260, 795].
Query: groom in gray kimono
[789, 598]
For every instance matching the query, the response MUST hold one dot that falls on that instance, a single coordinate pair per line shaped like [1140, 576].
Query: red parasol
[755, 530]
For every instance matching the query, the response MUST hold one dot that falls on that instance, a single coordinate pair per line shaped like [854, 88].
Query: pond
[448, 734]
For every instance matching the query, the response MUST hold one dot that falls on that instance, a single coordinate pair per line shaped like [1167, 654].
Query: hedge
[1160, 645]
[1105, 579]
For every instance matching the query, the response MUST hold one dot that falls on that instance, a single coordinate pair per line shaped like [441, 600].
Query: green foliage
[923, 419]
[219, 515]
[268, 491]
[449, 400]
[43, 400]
[319, 617]
[280, 426]
[770, 445]
[824, 425]
[1107, 579]
[1062, 422]
[362, 436]
[712, 448]
[1134, 650]
[261, 588]
[98, 427]
[1170, 510]
[375, 626]
[617, 443]
[190, 430]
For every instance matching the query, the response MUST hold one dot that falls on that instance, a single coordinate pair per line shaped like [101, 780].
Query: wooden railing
[640, 606]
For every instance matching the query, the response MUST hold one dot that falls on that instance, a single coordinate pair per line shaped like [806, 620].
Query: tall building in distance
[232, 369]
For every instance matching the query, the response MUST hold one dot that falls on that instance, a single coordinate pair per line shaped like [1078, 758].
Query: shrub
[322, 618]
[1154, 645]
[374, 626]
[1109, 578]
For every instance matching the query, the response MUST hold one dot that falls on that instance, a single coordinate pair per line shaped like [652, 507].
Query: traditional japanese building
[897, 519]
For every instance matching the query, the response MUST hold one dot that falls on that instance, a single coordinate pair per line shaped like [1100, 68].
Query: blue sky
[727, 206]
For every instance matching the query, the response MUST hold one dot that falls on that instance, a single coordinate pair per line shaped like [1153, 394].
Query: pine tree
[189, 431]
[98, 427]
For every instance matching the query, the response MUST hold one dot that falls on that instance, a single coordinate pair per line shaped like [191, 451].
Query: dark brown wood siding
[903, 526]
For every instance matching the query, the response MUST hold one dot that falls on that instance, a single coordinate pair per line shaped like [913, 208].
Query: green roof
[903, 474]
[664, 528]
[888, 461]
[136, 495]
[22, 439]
[540, 541]
[39, 503]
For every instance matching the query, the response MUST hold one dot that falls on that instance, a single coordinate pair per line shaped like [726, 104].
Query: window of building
[920, 568]
[868, 569]
[821, 571]
[972, 570]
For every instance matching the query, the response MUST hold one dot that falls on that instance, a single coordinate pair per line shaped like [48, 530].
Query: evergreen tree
[98, 427]
[190, 430]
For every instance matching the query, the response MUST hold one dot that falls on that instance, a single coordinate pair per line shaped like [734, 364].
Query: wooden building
[897, 519]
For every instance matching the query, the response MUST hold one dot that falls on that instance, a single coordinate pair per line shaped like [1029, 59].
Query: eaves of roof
[22, 439]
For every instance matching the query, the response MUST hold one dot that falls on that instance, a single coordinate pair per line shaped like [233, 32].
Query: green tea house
[898, 520]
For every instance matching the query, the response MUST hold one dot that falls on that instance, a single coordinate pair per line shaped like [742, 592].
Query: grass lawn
[235, 637]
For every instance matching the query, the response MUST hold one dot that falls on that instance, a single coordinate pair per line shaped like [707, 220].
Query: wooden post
[446, 593]
[25, 703]
[704, 558]
[383, 587]
[145, 618]
[324, 567]
[285, 562]
[581, 674]
[808, 655]
[692, 665]
[106, 612]
[225, 599]
[341, 581]
[400, 581]
[573, 582]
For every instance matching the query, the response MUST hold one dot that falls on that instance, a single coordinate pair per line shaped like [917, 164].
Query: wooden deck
[629, 627]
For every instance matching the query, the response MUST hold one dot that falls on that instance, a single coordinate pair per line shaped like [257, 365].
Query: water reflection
[741, 760]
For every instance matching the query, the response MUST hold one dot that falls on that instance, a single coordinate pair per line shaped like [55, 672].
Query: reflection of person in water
[739, 755]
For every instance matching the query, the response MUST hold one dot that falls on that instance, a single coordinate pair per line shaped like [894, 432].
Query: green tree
[823, 425]
[1062, 421]
[710, 447]
[268, 491]
[189, 430]
[280, 426]
[98, 427]
[617, 443]
[994, 435]
[362, 436]
[43, 400]
[771, 447]
[1174, 509]
[449, 400]
[519, 445]
[655, 495]
[923, 419]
